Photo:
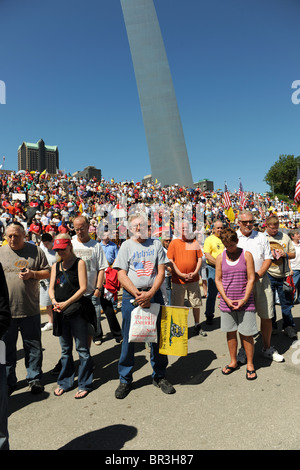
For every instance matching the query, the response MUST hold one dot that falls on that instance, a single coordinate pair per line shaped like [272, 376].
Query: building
[147, 179]
[38, 157]
[205, 185]
[88, 173]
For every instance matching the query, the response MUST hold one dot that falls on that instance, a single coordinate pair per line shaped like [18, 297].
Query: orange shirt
[185, 255]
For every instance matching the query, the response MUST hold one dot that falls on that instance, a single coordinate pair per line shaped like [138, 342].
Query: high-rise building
[166, 144]
[38, 157]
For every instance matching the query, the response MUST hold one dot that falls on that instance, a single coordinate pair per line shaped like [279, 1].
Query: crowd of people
[72, 246]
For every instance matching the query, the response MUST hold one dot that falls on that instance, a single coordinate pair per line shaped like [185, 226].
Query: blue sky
[70, 81]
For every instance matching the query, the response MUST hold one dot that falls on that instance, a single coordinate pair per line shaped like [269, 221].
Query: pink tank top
[234, 280]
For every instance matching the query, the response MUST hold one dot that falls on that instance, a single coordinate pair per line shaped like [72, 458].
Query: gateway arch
[165, 139]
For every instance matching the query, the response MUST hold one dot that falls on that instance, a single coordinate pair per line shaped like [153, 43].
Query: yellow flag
[230, 214]
[173, 339]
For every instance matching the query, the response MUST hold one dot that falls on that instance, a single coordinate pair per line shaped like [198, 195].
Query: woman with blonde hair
[68, 283]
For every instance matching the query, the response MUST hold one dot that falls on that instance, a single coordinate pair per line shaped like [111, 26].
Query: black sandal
[251, 372]
[230, 369]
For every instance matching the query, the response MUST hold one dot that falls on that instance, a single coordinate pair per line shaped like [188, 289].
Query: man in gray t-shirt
[141, 271]
[24, 265]
[141, 261]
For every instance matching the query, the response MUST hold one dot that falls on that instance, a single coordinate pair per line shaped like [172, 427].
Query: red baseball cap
[61, 243]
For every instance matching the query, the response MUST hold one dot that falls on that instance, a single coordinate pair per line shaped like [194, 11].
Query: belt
[144, 289]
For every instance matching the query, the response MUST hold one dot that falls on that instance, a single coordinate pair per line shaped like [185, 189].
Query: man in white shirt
[257, 244]
[92, 253]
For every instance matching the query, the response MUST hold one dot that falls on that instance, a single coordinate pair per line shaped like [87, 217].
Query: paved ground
[209, 411]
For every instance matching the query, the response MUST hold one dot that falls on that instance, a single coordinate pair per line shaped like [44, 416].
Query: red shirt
[51, 228]
[62, 229]
[35, 228]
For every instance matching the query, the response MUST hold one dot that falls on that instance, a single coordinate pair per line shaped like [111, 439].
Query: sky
[69, 79]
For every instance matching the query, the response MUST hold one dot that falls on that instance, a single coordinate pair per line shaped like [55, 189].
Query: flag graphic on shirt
[297, 190]
[144, 268]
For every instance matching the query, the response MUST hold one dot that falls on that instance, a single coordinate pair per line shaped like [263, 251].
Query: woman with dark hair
[235, 279]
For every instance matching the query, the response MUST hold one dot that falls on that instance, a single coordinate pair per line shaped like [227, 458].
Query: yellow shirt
[214, 246]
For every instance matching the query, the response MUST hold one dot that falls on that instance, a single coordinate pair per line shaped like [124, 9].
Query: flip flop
[251, 372]
[230, 370]
[60, 391]
[83, 396]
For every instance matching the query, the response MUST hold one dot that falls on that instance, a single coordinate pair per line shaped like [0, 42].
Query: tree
[282, 176]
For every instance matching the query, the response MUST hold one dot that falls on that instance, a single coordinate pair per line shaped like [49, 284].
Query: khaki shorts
[192, 289]
[263, 298]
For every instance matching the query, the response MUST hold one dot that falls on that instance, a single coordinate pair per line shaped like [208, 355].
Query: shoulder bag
[84, 306]
[288, 283]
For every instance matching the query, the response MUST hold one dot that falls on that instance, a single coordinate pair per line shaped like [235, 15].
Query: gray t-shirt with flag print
[140, 261]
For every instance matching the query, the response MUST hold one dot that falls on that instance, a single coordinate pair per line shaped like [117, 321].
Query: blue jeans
[96, 302]
[30, 328]
[4, 445]
[77, 328]
[296, 279]
[212, 292]
[158, 361]
[169, 288]
[286, 302]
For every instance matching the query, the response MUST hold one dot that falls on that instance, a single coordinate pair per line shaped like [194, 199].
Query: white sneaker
[241, 356]
[47, 327]
[273, 354]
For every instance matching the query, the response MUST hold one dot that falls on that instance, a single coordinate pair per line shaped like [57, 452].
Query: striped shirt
[234, 280]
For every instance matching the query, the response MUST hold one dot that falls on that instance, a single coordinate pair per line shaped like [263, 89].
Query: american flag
[297, 190]
[241, 195]
[144, 268]
[227, 202]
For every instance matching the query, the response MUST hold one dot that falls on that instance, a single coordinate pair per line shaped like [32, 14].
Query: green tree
[282, 176]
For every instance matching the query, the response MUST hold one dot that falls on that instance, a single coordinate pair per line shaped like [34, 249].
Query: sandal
[248, 372]
[230, 370]
[85, 393]
[59, 391]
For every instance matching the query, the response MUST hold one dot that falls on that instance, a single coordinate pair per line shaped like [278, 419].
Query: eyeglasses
[245, 222]
[134, 226]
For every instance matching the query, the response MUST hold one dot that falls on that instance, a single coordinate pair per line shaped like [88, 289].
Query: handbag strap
[286, 262]
[67, 278]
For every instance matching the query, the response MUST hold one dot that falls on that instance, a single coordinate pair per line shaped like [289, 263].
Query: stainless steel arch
[163, 128]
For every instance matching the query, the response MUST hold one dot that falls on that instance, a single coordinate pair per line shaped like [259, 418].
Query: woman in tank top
[68, 282]
[235, 277]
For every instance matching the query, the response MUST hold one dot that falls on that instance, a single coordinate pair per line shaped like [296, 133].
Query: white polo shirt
[258, 245]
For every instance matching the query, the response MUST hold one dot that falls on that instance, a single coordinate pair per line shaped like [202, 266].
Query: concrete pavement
[208, 411]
